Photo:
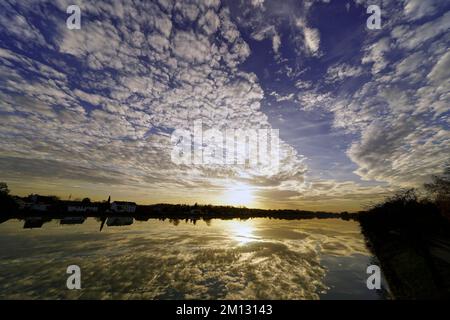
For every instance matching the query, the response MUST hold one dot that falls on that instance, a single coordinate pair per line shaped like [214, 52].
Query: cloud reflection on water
[229, 259]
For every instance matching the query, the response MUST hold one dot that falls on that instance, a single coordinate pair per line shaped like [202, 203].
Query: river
[218, 259]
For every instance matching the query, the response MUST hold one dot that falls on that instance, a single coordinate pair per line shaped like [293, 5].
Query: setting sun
[239, 195]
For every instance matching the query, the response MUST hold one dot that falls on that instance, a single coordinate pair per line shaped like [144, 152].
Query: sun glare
[239, 195]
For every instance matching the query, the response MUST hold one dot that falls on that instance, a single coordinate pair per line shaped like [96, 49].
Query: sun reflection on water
[241, 231]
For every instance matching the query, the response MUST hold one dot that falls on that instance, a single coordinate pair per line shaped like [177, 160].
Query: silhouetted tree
[7, 202]
[404, 196]
[439, 190]
[4, 189]
[86, 201]
[397, 202]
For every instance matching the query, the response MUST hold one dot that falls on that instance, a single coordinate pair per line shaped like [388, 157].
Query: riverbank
[181, 212]
[412, 244]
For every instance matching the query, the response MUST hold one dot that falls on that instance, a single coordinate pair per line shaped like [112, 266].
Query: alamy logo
[74, 280]
[74, 20]
[374, 280]
[253, 148]
[374, 21]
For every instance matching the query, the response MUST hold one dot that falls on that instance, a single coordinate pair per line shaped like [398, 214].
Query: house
[82, 208]
[35, 198]
[40, 207]
[123, 207]
[40, 203]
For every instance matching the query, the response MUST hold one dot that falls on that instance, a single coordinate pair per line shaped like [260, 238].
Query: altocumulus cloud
[98, 105]
[105, 98]
[392, 96]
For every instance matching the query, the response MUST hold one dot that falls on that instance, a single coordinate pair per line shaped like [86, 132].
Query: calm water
[222, 259]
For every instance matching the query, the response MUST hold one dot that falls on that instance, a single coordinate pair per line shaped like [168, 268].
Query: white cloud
[375, 55]
[343, 71]
[258, 3]
[311, 99]
[441, 71]
[416, 9]
[312, 40]
[409, 37]
[276, 42]
[209, 22]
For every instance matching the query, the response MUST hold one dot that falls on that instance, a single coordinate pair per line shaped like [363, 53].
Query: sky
[91, 112]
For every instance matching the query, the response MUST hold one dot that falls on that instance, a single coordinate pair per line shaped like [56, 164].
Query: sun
[239, 195]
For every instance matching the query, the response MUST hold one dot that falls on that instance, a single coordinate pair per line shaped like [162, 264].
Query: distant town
[52, 206]
[37, 209]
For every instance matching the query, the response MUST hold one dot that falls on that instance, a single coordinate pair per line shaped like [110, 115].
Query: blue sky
[360, 112]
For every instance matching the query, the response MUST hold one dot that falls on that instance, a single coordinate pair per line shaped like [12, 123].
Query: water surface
[218, 259]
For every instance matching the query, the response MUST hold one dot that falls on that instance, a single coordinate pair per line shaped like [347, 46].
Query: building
[82, 208]
[35, 198]
[123, 207]
[40, 203]
[40, 207]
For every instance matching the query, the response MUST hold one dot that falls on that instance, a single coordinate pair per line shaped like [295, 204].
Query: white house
[82, 208]
[40, 207]
[123, 206]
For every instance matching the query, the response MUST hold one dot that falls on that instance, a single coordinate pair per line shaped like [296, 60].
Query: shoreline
[277, 214]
